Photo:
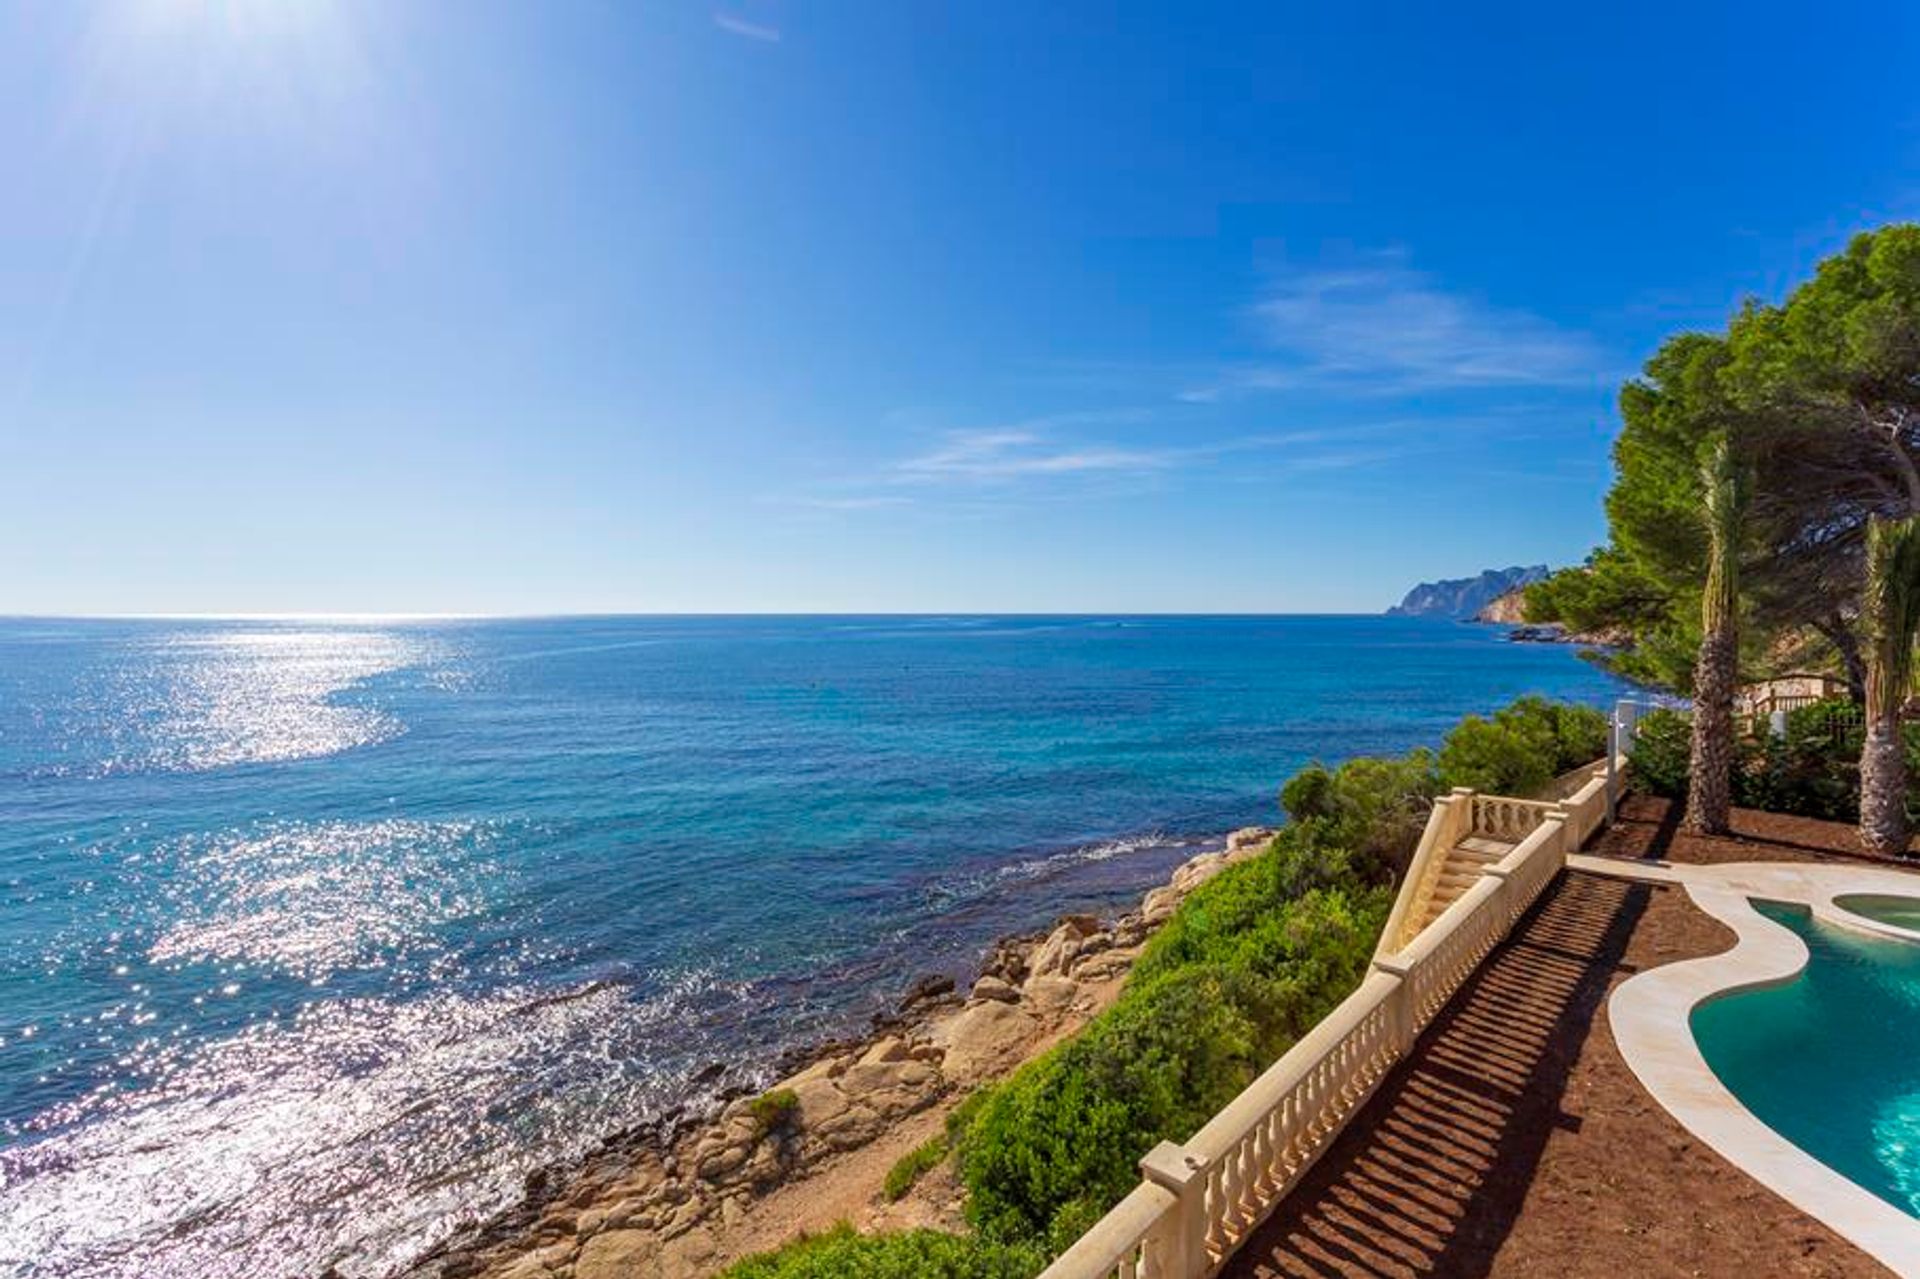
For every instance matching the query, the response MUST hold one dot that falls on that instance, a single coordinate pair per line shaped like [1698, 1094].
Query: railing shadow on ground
[1430, 1176]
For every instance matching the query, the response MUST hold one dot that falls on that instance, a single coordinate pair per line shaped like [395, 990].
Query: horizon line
[373, 616]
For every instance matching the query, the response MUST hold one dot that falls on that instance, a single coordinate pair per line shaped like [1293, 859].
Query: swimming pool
[1831, 1059]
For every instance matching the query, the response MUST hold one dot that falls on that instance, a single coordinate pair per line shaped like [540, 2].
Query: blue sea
[317, 937]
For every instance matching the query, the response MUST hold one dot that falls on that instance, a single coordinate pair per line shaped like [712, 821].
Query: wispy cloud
[1379, 326]
[732, 25]
[1003, 454]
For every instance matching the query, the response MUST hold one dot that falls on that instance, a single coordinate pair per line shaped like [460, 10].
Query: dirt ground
[1515, 1142]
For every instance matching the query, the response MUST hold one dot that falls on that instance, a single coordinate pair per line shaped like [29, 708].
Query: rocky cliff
[1463, 598]
[1509, 609]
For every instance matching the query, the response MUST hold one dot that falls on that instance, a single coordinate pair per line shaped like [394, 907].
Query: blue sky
[320, 305]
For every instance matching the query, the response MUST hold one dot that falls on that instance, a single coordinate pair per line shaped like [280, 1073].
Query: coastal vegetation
[773, 1110]
[1246, 965]
[929, 1254]
[1765, 517]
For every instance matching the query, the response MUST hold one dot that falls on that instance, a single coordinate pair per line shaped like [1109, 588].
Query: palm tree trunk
[1717, 670]
[1889, 614]
[1710, 772]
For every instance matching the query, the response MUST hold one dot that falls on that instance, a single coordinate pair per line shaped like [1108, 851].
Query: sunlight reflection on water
[313, 898]
[244, 697]
[342, 1138]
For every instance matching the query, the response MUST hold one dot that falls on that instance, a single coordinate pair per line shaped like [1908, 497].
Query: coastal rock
[820, 1102]
[926, 989]
[1250, 839]
[1158, 906]
[1508, 609]
[892, 1048]
[887, 1085]
[996, 988]
[1008, 959]
[618, 1254]
[1198, 871]
[979, 1038]
[1056, 954]
[1107, 965]
[1051, 994]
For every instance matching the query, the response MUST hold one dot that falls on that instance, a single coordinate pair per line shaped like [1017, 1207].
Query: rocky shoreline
[687, 1195]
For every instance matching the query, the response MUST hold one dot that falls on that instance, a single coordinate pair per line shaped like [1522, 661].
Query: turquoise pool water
[1901, 912]
[1831, 1060]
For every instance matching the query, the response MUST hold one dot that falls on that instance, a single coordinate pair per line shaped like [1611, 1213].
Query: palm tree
[1717, 669]
[1890, 617]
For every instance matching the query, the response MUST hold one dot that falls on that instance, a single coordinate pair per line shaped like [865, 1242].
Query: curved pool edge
[1651, 1015]
[1830, 911]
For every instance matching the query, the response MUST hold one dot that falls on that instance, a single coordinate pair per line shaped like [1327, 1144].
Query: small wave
[1028, 870]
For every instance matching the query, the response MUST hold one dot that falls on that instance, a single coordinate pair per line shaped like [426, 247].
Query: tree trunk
[1717, 670]
[1889, 617]
[1710, 783]
[1883, 787]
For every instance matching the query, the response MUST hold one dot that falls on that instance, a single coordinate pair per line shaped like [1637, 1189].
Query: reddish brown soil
[1650, 827]
[1515, 1142]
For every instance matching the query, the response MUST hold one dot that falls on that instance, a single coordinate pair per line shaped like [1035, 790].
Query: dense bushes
[1812, 770]
[1373, 808]
[1519, 749]
[912, 1254]
[1660, 753]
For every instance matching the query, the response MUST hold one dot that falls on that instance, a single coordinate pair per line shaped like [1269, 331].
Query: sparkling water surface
[315, 938]
[1831, 1060]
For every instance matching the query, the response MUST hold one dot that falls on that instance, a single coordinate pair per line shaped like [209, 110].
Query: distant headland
[1464, 598]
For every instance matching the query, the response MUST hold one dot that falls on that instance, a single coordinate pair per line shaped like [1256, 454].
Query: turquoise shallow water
[315, 938]
[1831, 1060]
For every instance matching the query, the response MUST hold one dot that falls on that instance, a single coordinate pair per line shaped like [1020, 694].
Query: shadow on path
[1430, 1176]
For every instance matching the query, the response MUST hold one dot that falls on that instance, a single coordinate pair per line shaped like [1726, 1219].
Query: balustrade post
[1181, 1251]
[1400, 1012]
[1568, 831]
[1462, 796]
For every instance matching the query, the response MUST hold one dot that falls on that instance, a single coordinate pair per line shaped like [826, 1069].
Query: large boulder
[980, 1038]
[619, 1254]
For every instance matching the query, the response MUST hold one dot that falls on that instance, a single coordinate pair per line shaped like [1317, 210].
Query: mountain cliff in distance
[1462, 598]
[1509, 609]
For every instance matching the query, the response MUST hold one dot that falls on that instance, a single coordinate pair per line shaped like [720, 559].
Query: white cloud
[1379, 326]
[1010, 453]
[750, 30]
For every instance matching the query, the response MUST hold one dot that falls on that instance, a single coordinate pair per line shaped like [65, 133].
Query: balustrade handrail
[1122, 1241]
[1201, 1198]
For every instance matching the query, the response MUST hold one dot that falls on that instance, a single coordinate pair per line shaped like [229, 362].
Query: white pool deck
[1651, 1017]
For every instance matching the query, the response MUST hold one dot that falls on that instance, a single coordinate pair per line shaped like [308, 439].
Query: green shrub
[913, 1165]
[1521, 747]
[912, 1254]
[1502, 759]
[1813, 770]
[1579, 734]
[1250, 961]
[1374, 807]
[1661, 754]
[772, 1110]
